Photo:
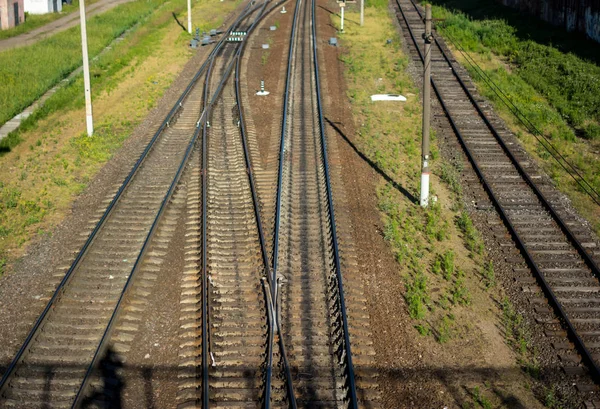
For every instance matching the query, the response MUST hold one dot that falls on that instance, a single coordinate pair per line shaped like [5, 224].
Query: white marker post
[427, 36]
[86, 72]
[189, 4]
[362, 12]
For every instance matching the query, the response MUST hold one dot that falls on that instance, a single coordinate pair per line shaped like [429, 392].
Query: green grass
[488, 275]
[471, 236]
[425, 242]
[26, 73]
[417, 296]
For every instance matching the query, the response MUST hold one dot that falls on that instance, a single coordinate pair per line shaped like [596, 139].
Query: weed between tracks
[449, 284]
[552, 77]
[55, 161]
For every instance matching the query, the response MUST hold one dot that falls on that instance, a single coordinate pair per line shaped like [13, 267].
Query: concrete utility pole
[427, 36]
[189, 4]
[362, 12]
[342, 6]
[86, 72]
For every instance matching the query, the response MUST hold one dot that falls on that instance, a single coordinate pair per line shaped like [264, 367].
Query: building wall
[42, 6]
[7, 13]
[573, 15]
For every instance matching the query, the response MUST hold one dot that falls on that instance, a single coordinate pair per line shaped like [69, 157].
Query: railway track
[556, 248]
[261, 325]
[306, 261]
[260, 346]
[56, 363]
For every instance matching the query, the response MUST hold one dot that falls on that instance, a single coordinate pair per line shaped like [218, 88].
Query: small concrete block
[333, 41]
[265, 46]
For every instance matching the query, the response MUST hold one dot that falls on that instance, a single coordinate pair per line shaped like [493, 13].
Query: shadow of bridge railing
[112, 381]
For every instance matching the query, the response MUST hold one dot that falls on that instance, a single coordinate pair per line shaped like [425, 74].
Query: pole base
[263, 93]
[424, 202]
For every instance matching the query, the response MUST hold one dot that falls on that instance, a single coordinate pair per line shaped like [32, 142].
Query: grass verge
[449, 283]
[549, 77]
[55, 159]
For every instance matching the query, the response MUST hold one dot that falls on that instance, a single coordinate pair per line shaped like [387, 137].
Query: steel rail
[101, 349]
[204, 165]
[338, 268]
[204, 272]
[572, 332]
[274, 323]
[563, 226]
[66, 279]
[282, 151]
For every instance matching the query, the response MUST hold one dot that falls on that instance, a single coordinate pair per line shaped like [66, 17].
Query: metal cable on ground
[536, 132]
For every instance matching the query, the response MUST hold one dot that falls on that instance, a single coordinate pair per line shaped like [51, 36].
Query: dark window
[16, 14]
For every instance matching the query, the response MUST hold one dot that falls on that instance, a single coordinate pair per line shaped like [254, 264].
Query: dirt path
[66, 22]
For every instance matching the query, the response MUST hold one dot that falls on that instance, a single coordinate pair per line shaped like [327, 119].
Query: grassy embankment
[450, 287]
[33, 21]
[55, 159]
[28, 72]
[551, 76]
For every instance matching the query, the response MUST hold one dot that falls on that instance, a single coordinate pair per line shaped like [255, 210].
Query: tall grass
[570, 83]
[27, 73]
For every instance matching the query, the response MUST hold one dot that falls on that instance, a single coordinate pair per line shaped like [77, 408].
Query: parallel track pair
[115, 253]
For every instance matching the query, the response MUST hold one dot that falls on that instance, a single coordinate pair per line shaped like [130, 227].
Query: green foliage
[436, 227]
[450, 176]
[569, 83]
[436, 267]
[550, 76]
[10, 197]
[516, 333]
[448, 264]
[379, 4]
[416, 296]
[552, 398]
[480, 399]
[444, 264]
[423, 329]
[33, 21]
[489, 277]
[459, 293]
[471, 236]
[264, 58]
